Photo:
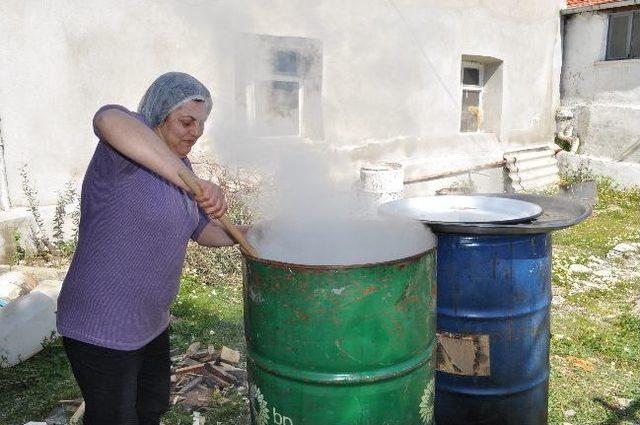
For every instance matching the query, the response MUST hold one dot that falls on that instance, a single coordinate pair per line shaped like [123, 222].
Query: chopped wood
[174, 352]
[190, 385]
[239, 374]
[76, 402]
[219, 372]
[77, 416]
[190, 362]
[197, 372]
[194, 368]
[211, 349]
[200, 354]
[230, 356]
[193, 348]
[182, 380]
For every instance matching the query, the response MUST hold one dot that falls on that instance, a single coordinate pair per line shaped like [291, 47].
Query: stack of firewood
[197, 372]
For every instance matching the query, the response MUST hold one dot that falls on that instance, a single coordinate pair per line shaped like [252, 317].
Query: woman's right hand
[211, 199]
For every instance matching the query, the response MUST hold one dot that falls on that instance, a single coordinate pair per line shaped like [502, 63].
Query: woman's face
[182, 128]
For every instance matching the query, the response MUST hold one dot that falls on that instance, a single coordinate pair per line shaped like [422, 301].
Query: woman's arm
[214, 235]
[136, 141]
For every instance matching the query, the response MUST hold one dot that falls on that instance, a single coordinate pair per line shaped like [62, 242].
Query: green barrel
[341, 345]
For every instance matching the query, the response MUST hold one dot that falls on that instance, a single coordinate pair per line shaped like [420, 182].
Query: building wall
[390, 75]
[604, 95]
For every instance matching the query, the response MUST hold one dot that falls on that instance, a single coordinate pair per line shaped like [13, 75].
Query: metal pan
[463, 209]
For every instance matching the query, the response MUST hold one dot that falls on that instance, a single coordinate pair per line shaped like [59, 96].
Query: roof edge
[602, 6]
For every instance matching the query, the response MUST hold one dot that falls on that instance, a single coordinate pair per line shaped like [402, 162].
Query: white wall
[605, 95]
[390, 84]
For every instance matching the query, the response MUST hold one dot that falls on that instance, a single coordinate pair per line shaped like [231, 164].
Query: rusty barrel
[341, 344]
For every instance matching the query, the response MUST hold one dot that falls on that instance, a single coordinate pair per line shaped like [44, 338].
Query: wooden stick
[189, 179]
[77, 417]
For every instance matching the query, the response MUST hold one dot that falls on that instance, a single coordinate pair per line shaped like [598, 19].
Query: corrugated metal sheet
[532, 168]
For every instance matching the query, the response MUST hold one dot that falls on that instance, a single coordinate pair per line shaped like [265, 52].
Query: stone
[569, 413]
[603, 272]
[626, 247]
[579, 268]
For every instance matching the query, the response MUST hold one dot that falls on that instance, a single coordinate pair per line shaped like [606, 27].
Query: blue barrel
[494, 293]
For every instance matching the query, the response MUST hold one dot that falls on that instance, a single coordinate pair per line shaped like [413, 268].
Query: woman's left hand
[211, 200]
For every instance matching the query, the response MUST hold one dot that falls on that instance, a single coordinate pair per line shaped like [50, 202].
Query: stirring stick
[189, 179]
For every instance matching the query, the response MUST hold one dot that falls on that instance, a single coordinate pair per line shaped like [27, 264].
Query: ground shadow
[618, 414]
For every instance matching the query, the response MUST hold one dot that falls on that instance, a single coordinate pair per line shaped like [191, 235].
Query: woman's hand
[211, 200]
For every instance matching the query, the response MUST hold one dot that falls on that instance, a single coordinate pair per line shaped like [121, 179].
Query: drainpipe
[5, 202]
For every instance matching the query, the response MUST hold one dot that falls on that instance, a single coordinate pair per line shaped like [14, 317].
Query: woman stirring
[136, 219]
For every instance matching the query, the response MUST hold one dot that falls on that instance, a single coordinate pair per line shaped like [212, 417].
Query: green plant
[20, 253]
[62, 248]
[563, 143]
[38, 233]
[65, 197]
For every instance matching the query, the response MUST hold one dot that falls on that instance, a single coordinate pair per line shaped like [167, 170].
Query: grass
[595, 347]
[33, 388]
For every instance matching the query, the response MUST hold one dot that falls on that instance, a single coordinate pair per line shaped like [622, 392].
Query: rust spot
[301, 316]
[369, 289]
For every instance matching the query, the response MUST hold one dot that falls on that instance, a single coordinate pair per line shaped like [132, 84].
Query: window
[472, 83]
[279, 83]
[278, 108]
[278, 100]
[623, 38]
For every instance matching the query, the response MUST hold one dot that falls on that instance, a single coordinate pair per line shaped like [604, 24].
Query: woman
[136, 219]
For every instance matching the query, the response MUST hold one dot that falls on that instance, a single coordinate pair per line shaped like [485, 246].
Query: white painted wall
[605, 95]
[390, 84]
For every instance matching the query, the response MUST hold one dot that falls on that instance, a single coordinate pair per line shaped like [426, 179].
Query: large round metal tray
[558, 213]
[463, 209]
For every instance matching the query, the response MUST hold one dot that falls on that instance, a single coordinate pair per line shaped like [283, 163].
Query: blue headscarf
[170, 91]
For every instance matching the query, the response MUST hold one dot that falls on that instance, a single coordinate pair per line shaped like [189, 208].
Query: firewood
[200, 354]
[193, 348]
[219, 372]
[76, 402]
[190, 385]
[219, 382]
[77, 416]
[194, 368]
[229, 356]
[239, 374]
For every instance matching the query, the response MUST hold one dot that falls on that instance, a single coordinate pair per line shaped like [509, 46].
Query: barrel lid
[470, 209]
[557, 213]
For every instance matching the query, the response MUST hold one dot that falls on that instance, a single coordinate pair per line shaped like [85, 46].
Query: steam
[310, 211]
[340, 241]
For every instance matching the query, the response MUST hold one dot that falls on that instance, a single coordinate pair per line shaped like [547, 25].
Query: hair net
[170, 91]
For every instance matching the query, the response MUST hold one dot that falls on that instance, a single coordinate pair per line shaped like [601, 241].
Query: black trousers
[122, 387]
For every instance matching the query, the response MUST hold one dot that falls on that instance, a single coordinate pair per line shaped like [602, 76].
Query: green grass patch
[31, 389]
[209, 314]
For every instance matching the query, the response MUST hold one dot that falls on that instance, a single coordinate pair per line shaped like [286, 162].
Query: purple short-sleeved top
[134, 229]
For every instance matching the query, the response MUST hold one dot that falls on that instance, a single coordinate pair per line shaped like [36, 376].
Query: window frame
[630, 16]
[276, 76]
[471, 87]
